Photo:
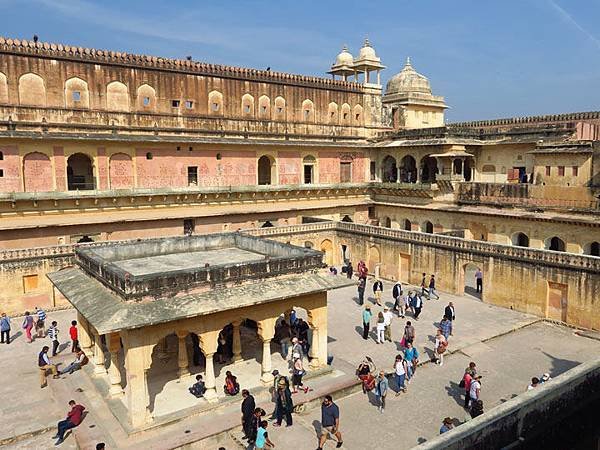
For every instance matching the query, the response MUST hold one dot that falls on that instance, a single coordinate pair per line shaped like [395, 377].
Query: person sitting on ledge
[198, 388]
[232, 387]
[81, 361]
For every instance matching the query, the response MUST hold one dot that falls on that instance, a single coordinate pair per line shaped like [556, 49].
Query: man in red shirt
[74, 336]
[74, 418]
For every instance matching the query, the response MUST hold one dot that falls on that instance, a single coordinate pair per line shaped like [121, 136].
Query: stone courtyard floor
[509, 348]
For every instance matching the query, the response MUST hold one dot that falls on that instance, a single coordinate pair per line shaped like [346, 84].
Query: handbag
[403, 342]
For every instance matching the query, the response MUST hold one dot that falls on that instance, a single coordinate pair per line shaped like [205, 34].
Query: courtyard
[509, 348]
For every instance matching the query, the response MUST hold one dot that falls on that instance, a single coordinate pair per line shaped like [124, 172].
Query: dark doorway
[264, 170]
[188, 227]
[80, 173]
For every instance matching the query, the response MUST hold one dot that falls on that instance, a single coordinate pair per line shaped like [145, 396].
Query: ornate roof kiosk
[132, 296]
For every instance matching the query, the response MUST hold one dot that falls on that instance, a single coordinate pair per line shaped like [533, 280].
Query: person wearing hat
[297, 374]
[366, 316]
[296, 347]
[278, 380]
[447, 425]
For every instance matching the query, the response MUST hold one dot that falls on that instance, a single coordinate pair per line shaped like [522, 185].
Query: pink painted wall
[37, 172]
[60, 170]
[290, 168]
[11, 181]
[120, 171]
[102, 162]
[329, 167]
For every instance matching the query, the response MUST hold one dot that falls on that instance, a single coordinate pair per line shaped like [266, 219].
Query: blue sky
[488, 58]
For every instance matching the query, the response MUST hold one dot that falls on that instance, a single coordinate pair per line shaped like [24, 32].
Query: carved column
[317, 319]
[99, 368]
[208, 341]
[182, 356]
[266, 330]
[114, 374]
[237, 342]
[83, 329]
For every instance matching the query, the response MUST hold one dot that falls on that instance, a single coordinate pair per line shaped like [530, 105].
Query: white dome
[344, 58]
[408, 80]
[367, 52]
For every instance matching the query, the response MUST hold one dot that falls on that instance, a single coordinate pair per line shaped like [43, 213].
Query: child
[74, 336]
[53, 334]
[262, 437]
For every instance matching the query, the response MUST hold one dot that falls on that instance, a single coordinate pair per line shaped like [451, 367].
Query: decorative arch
[32, 90]
[3, 88]
[117, 96]
[592, 248]
[264, 107]
[357, 115]
[215, 102]
[408, 169]
[407, 225]
[279, 108]
[77, 94]
[555, 243]
[247, 105]
[389, 170]
[327, 248]
[333, 113]
[309, 169]
[80, 172]
[374, 260]
[429, 169]
[37, 172]
[520, 239]
[146, 98]
[266, 170]
[386, 222]
[120, 171]
[308, 111]
[345, 117]
[427, 227]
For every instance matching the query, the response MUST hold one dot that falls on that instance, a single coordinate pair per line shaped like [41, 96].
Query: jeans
[6, 334]
[417, 312]
[55, 345]
[281, 413]
[432, 292]
[361, 296]
[73, 366]
[409, 372]
[381, 399]
[285, 347]
[63, 426]
[467, 398]
[75, 345]
[400, 379]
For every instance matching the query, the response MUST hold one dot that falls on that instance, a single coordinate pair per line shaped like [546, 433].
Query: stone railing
[553, 118]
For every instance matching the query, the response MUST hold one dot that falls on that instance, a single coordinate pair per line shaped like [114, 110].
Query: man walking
[409, 333]
[387, 323]
[417, 305]
[479, 280]
[366, 316]
[248, 407]
[40, 325]
[432, 291]
[446, 327]
[362, 284]
[449, 311]
[424, 284]
[44, 365]
[74, 336]
[5, 328]
[398, 301]
[475, 389]
[53, 335]
[285, 405]
[378, 290]
[330, 422]
[74, 418]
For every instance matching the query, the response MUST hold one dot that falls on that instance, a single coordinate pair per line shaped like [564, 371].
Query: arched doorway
[266, 170]
[520, 240]
[407, 225]
[389, 171]
[467, 169]
[592, 249]
[120, 171]
[427, 227]
[429, 169]
[80, 173]
[308, 164]
[327, 248]
[471, 273]
[408, 169]
[374, 261]
[555, 243]
[37, 172]
[386, 222]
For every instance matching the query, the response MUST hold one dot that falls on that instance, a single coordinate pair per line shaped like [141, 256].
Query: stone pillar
[83, 329]
[99, 367]
[138, 357]
[317, 319]
[182, 356]
[209, 379]
[266, 330]
[237, 342]
[114, 346]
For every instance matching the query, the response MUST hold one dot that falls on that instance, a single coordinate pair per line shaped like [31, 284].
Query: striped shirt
[41, 314]
[53, 333]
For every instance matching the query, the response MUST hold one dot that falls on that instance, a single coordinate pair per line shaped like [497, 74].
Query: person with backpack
[398, 300]
[232, 387]
[381, 388]
[409, 334]
[44, 365]
[378, 290]
[53, 335]
[79, 362]
[5, 328]
[27, 326]
[441, 345]
[74, 336]
[278, 380]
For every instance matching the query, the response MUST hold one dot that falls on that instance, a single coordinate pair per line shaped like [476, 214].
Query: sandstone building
[101, 145]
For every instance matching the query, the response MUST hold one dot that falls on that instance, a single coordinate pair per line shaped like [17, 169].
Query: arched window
[429, 169]
[555, 243]
[427, 227]
[408, 169]
[308, 244]
[1, 156]
[407, 225]
[76, 93]
[347, 218]
[279, 108]
[80, 173]
[386, 222]
[308, 111]
[264, 107]
[266, 170]
[3, 88]
[37, 173]
[520, 240]
[309, 164]
[592, 249]
[358, 115]
[389, 171]
[146, 98]
[345, 117]
[247, 105]
[32, 91]
[215, 102]
[117, 96]
[332, 113]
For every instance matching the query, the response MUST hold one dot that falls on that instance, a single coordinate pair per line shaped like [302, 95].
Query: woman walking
[411, 356]
[380, 328]
[441, 344]
[381, 387]
[366, 316]
[400, 370]
[297, 374]
[27, 326]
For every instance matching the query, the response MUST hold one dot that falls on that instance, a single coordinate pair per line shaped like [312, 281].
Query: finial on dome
[345, 48]
[408, 61]
[367, 43]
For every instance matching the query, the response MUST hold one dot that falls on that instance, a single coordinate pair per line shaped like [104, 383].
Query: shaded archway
[266, 168]
[408, 169]
[327, 248]
[427, 227]
[520, 240]
[309, 163]
[37, 172]
[389, 171]
[374, 261]
[120, 171]
[80, 173]
[429, 169]
[471, 272]
[386, 222]
[592, 249]
[555, 243]
[407, 225]
[467, 169]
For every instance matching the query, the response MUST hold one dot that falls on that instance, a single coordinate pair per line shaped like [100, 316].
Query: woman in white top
[380, 328]
[440, 347]
[400, 370]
